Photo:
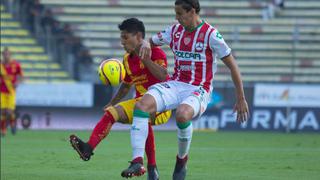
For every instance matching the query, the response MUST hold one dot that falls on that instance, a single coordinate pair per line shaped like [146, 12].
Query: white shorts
[169, 95]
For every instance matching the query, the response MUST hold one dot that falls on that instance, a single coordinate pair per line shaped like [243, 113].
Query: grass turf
[214, 155]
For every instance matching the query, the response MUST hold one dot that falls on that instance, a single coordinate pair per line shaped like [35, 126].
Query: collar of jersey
[193, 29]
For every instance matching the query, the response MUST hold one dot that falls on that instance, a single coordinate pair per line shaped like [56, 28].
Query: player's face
[6, 55]
[129, 41]
[184, 18]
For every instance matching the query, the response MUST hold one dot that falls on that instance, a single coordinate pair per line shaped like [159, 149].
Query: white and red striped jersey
[195, 52]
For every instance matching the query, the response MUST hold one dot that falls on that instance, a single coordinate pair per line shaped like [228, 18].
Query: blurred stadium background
[61, 42]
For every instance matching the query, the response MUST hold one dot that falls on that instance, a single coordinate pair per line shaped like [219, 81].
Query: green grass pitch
[47, 155]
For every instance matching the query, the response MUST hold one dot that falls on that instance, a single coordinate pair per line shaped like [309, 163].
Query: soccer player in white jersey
[196, 46]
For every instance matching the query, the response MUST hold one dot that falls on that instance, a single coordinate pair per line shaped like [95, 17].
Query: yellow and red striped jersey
[9, 74]
[139, 75]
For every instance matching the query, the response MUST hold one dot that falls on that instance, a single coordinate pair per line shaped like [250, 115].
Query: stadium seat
[37, 66]
[17, 41]
[261, 47]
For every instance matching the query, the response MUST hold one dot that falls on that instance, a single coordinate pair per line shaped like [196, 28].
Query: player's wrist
[241, 97]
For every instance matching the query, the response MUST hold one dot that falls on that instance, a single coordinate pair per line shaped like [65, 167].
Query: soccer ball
[111, 72]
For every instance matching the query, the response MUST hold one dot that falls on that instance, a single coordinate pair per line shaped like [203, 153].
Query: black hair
[189, 4]
[132, 25]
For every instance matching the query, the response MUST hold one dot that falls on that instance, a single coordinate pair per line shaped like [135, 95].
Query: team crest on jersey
[186, 40]
[201, 36]
[199, 46]
[177, 35]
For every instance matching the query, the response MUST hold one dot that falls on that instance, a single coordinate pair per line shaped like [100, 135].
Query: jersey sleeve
[218, 45]
[163, 37]
[19, 69]
[127, 79]
[158, 56]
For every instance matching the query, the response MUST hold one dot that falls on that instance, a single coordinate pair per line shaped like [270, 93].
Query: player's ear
[193, 11]
[139, 35]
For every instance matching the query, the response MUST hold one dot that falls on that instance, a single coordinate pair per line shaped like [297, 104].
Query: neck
[194, 25]
[137, 49]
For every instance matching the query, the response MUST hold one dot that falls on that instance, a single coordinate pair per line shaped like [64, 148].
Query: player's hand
[241, 107]
[145, 51]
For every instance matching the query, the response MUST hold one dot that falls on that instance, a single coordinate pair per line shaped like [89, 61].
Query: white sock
[184, 140]
[139, 133]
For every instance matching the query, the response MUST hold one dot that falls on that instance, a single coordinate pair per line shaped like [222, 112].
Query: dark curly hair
[132, 25]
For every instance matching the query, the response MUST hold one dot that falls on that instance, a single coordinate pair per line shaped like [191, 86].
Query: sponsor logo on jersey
[199, 46]
[219, 36]
[165, 85]
[187, 55]
[135, 128]
[185, 68]
[177, 35]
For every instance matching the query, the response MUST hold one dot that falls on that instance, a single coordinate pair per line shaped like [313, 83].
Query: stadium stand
[37, 65]
[282, 49]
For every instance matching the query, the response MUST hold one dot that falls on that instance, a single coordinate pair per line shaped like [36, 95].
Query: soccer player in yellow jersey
[10, 77]
[140, 73]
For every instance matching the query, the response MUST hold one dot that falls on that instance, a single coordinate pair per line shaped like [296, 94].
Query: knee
[143, 106]
[184, 113]
[146, 104]
[181, 117]
[4, 113]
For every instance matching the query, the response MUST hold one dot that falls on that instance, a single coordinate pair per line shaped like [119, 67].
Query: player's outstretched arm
[122, 92]
[241, 106]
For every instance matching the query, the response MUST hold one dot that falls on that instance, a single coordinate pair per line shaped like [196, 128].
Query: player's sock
[139, 133]
[3, 127]
[150, 147]
[184, 138]
[102, 129]
[13, 124]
